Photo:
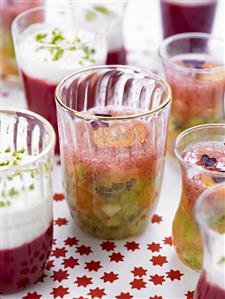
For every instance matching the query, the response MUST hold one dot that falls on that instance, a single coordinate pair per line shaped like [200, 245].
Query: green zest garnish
[90, 15]
[31, 187]
[221, 261]
[8, 150]
[5, 203]
[6, 163]
[13, 192]
[103, 10]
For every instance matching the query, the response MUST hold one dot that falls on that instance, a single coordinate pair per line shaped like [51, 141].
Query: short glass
[50, 45]
[179, 16]
[26, 159]
[210, 215]
[112, 123]
[200, 152]
[9, 9]
[194, 68]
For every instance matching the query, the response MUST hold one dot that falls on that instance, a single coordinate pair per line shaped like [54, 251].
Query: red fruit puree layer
[117, 56]
[207, 290]
[41, 99]
[24, 265]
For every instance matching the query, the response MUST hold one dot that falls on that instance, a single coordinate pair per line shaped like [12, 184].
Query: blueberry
[95, 124]
[197, 64]
[218, 179]
[211, 162]
[103, 115]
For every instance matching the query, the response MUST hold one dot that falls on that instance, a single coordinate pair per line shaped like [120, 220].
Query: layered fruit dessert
[56, 53]
[26, 219]
[198, 86]
[203, 166]
[187, 16]
[112, 176]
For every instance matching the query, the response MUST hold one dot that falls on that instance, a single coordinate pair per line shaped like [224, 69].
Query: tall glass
[26, 230]
[9, 9]
[112, 123]
[52, 44]
[201, 154]
[210, 215]
[195, 69]
[179, 16]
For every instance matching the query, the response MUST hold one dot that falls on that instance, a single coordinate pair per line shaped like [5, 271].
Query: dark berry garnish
[197, 64]
[95, 124]
[207, 161]
[218, 179]
[103, 115]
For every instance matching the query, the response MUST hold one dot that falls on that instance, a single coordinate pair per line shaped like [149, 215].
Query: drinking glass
[210, 215]
[200, 152]
[194, 68]
[112, 123]
[26, 230]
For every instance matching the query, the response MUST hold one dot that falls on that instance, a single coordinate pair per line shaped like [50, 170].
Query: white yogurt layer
[52, 63]
[25, 203]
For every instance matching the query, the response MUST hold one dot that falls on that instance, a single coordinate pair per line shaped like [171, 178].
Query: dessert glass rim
[198, 214]
[185, 133]
[194, 35]
[88, 116]
[46, 150]
[61, 45]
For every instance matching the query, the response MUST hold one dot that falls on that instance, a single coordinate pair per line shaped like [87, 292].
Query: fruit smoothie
[26, 219]
[203, 166]
[187, 16]
[112, 177]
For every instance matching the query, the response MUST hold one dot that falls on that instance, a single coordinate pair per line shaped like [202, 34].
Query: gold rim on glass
[87, 116]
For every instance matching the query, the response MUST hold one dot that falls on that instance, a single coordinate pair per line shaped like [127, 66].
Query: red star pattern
[49, 265]
[59, 252]
[108, 246]
[132, 246]
[81, 297]
[34, 295]
[97, 293]
[168, 241]
[71, 241]
[174, 274]
[41, 279]
[116, 257]
[159, 260]
[60, 292]
[60, 275]
[109, 277]
[84, 250]
[156, 218]
[139, 271]
[190, 295]
[83, 281]
[157, 279]
[71, 262]
[124, 296]
[93, 266]
[138, 283]
[154, 247]
[61, 221]
[156, 297]
[58, 197]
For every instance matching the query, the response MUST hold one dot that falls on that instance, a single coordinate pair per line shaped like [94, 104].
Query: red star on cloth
[34, 295]
[109, 277]
[190, 295]
[60, 275]
[84, 250]
[159, 260]
[132, 246]
[41, 279]
[156, 297]
[59, 292]
[81, 297]
[97, 293]
[61, 221]
[139, 271]
[49, 265]
[58, 197]
[71, 262]
[93, 266]
[71, 241]
[138, 283]
[174, 274]
[108, 246]
[116, 257]
[154, 247]
[168, 241]
[59, 252]
[124, 296]
[83, 281]
[156, 218]
[157, 279]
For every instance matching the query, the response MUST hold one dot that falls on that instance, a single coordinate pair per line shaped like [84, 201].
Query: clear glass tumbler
[210, 215]
[112, 123]
[26, 220]
[194, 68]
[201, 154]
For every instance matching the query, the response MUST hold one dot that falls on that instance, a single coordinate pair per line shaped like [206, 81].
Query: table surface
[142, 267]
